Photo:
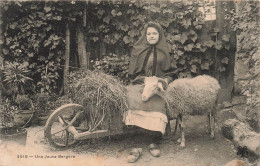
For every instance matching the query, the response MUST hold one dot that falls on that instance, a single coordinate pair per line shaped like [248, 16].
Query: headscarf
[142, 50]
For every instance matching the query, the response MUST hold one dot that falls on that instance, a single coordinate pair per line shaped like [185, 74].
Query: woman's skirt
[150, 115]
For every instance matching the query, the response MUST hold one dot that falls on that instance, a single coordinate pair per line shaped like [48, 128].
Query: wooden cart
[70, 123]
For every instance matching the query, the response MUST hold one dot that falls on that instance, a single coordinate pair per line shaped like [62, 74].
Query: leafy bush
[7, 113]
[49, 77]
[16, 77]
[34, 34]
[41, 105]
[57, 101]
[24, 102]
[114, 65]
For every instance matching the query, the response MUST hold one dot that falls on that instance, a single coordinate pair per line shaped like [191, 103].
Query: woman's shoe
[154, 150]
[135, 154]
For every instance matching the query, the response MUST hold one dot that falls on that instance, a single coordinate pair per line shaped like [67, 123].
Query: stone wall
[246, 72]
[239, 100]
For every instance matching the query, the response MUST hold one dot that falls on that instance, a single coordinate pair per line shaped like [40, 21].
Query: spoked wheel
[63, 124]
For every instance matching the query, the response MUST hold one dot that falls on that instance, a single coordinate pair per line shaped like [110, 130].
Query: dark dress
[151, 114]
[148, 60]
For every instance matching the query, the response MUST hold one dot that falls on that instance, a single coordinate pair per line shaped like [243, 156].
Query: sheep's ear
[163, 82]
[160, 86]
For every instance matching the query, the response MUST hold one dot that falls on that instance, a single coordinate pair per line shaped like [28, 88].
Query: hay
[100, 94]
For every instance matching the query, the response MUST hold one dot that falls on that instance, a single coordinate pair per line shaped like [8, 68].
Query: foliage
[245, 22]
[34, 32]
[72, 80]
[57, 101]
[49, 77]
[183, 25]
[30, 36]
[45, 103]
[41, 104]
[16, 77]
[114, 65]
[7, 113]
[24, 102]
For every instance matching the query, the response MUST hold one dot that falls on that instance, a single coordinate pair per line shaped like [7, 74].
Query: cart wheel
[65, 117]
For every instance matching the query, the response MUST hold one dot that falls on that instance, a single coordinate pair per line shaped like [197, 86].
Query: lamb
[187, 96]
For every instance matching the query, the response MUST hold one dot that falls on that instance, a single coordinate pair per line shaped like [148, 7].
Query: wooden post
[1, 53]
[67, 57]
[85, 15]
[226, 80]
[82, 52]
[84, 57]
[220, 27]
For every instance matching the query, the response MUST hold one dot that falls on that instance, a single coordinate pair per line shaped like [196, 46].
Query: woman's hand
[138, 80]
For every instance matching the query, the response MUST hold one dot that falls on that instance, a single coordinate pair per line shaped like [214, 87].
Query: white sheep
[196, 95]
[152, 85]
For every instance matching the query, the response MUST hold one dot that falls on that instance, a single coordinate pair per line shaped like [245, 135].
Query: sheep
[196, 95]
[152, 85]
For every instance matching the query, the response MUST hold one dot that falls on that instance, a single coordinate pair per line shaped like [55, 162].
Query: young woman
[150, 57]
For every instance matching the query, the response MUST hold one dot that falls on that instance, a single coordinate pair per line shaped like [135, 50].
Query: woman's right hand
[138, 80]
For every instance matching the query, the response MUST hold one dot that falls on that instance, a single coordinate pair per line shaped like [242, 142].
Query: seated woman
[150, 57]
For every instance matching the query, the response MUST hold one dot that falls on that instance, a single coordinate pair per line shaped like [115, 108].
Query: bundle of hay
[100, 94]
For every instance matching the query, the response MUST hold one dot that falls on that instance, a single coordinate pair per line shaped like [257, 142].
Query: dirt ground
[199, 151]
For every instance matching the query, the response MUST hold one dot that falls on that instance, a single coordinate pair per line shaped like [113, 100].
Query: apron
[150, 115]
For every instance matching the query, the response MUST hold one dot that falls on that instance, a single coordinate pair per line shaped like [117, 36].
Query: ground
[199, 151]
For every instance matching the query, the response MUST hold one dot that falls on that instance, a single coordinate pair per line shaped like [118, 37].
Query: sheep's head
[153, 85]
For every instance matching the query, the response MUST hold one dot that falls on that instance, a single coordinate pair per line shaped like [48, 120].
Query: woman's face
[152, 35]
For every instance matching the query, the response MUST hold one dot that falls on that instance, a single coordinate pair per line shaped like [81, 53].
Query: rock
[240, 69]
[224, 95]
[226, 104]
[235, 163]
[224, 115]
[220, 106]
[240, 111]
[238, 99]
[237, 87]
[242, 135]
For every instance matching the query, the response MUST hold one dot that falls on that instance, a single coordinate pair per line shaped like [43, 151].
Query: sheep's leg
[212, 125]
[182, 135]
[168, 127]
[176, 124]
[208, 130]
[181, 126]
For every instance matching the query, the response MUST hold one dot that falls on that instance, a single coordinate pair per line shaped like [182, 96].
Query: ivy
[246, 23]
[33, 40]
[35, 33]
[114, 65]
